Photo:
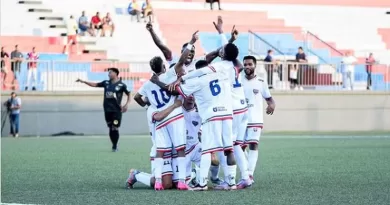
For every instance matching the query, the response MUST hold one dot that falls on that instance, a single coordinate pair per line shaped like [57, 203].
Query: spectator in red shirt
[369, 62]
[32, 58]
[4, 56]
[96, 23]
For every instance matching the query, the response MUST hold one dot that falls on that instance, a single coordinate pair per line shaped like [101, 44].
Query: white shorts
[217, 136]
[193, 155]
[173, 133]
[239, 127]
[252, 135]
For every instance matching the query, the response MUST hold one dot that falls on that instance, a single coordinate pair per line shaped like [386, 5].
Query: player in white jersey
[239, 107]
[256, 89]
[148, 179]
[190, 62]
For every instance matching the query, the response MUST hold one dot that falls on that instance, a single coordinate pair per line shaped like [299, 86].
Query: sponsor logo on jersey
[242, 102]
[219, 109]
[255, 91]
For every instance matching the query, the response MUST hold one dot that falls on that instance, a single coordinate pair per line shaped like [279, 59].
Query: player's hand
[270, 109]
[172, 86]
[178, 103]
[149, 26]
[234, 34]
[124, 108]
[218, 26]
[154, 78]
[194, 37]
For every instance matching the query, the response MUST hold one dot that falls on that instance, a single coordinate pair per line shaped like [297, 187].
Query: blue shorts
[83, 28]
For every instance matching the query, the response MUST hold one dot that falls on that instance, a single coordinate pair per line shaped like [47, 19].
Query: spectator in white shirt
[71, 27]
[348, 71]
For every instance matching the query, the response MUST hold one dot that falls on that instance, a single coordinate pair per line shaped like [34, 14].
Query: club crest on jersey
[117, 88]
[255, 91]
[195, 123]
[242, 102]
[254, 129]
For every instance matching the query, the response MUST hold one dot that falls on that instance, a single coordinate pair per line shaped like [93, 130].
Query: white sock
[144, 178]
[252, 160]
[223, 163]
[232, 174]
[158, 165]
[205, 163]
[214, 171]
[241, 161]
[152, 166]
[181, 163]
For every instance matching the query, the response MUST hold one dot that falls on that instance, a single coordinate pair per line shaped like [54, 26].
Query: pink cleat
[182, 186]
[244, 183]
[158, 186]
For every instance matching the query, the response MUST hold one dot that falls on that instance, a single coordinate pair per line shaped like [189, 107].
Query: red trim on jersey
[255, 125]
[219, 118]
[217, 149]
[180, 147]
[212, 68]
[166, 173]
[228, 149]
[178, 88]
[191, 148]
[251, 142]
[163, 149]
[240, 111]
[167, 122]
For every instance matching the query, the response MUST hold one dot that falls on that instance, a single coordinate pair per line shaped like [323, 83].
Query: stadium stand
[325, 28]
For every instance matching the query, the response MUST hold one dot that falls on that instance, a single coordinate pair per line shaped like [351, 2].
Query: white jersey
[193, 124]
[212, 96]
[187, 68]
[256, 90]
[159, 98]
[149, 115]
[226, 68]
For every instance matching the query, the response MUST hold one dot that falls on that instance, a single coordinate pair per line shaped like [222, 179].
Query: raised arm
[158, 116]
[179, 65]
[163, 48]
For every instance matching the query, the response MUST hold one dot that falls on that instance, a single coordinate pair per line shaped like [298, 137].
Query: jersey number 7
[214, 88]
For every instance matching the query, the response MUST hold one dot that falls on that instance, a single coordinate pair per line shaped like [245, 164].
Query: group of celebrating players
[199, 111]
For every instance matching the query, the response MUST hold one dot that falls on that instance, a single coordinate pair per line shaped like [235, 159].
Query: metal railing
[280, 75]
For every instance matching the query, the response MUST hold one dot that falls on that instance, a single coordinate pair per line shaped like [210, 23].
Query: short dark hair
[250, 58]
[230, 52]
[115, 70]
[156, 64]
[300, 47]
[185, 45]
[269, 51]
[201, 64]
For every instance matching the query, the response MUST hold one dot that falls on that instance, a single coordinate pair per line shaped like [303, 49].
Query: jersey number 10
[164, 96]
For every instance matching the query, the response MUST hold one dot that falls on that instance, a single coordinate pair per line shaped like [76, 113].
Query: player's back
[214, 97]
[193, 124]
[237, 91]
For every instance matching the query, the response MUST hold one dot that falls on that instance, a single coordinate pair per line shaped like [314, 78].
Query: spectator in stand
[212, 2]
[269, 67]
[349, 71]
[71, 27]
[16, 62]
[96, 24]
[32, 58]
[84, 25]
[4, 56]
[134, 9]
[147, 11]
[369, 62]
[300, 57]
[108, 24]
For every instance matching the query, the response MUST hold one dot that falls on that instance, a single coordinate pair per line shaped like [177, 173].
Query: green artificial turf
[67, 170]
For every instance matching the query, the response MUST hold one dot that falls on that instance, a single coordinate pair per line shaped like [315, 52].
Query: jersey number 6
[215, 88]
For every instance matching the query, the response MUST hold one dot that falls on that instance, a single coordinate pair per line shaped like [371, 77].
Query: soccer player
[239, 109]
[212, 94]
[148, 179]
[255, 90]
[113, 93]
[190, 62]
[171, 130]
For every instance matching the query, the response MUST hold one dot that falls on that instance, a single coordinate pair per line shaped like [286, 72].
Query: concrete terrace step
[57, 26]
[41, 10]
[30, 2]
[52, 18]
[94, 51]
